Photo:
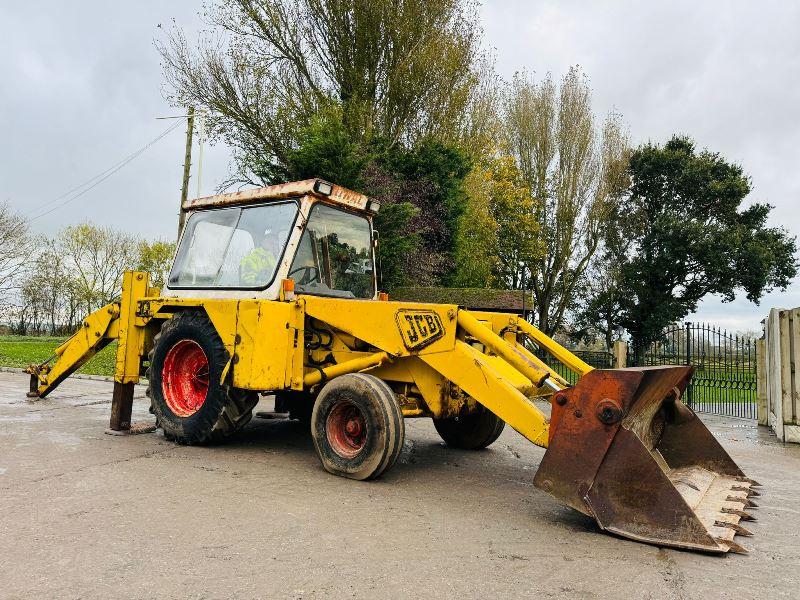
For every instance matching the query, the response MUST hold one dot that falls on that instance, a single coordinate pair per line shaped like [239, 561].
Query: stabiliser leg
[121, 406]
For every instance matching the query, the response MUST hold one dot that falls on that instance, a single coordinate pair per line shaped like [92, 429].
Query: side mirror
[375, 237]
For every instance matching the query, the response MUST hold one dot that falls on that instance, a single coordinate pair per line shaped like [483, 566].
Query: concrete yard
[88, 515]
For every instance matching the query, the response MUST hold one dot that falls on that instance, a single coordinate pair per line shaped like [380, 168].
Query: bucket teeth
[735, 526]
[745, 501]
[742, 488]
[742, 514]
[752, 482]
[732, 546]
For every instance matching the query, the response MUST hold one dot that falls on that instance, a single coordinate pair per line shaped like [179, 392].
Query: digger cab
[244, 244]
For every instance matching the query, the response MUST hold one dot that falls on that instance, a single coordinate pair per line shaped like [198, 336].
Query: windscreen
[237, 247]
[334, 257]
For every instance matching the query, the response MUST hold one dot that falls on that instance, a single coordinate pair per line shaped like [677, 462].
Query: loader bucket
[626, 451]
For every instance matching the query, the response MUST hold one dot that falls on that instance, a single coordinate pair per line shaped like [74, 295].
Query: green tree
[326, 149]
[519, 242]
[435, 171]
[695, 238]
[422, 195]
[155, 258]
[475, 254]
[499, 236]
[420, 189]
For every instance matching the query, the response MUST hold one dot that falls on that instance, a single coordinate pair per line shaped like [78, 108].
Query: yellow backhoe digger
[273, 290]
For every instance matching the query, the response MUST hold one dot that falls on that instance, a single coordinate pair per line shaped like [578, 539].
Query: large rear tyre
[190, 403]
[471, 432]
[357, 426]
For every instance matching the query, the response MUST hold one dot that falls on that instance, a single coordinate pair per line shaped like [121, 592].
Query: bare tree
[398, 70]
[14, 253]
[97, 257]
[77, 272]
[51, 286]
[575, 175]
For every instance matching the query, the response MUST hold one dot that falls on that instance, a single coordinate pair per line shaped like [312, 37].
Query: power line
[99, 178]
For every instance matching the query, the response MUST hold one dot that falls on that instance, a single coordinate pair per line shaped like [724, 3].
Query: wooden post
[620, 354]
[772, 357]
[761, 382]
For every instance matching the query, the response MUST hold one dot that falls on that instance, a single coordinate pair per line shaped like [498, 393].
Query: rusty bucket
[626, 451]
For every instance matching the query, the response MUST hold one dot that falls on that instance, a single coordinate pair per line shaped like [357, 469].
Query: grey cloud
[82, 88]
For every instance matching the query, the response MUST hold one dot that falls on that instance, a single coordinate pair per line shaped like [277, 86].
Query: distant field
[21, 351]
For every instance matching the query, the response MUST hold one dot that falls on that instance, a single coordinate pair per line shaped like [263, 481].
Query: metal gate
[724, 381]
[598, 360]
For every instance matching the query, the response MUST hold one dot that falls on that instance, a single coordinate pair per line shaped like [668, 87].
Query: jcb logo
[419, 327]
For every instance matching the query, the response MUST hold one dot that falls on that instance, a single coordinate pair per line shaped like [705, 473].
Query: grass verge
[21, 351]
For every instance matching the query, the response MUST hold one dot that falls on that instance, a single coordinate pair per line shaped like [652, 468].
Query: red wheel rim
[346, 429]
[184, 378]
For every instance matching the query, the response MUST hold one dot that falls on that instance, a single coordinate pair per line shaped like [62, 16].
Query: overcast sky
[82, 90]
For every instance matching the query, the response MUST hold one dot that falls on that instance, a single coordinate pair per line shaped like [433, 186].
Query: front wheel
[190, 402]
[471, 432]
[357, 426]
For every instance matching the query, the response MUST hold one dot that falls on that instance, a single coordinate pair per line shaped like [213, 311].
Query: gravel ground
[88, 515]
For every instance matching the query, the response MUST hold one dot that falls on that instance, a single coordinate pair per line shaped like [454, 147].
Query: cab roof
[319, 188]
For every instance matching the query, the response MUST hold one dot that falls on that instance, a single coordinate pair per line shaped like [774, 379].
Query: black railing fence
[599, 360]
[724, 380]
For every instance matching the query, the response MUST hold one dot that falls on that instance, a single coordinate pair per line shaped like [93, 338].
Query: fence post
[619, 353]
[761, 382]
[689, 362]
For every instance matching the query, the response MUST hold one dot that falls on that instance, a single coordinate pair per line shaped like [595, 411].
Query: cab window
[334, 257]
[233, 247]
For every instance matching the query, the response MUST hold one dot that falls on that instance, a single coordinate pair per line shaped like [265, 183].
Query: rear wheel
[357, 426]
[471, 432]
[190, 403]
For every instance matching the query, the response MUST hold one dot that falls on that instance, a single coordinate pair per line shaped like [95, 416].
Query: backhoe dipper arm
[70, 356]
[114, 321]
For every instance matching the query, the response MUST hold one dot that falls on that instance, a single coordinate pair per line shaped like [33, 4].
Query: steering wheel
[310, 273]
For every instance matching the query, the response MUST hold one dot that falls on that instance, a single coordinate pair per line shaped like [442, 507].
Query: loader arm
[471, 370]
[621, 446]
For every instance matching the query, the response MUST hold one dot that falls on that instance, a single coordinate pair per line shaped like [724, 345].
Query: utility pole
[187, 166]
[201, 138]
